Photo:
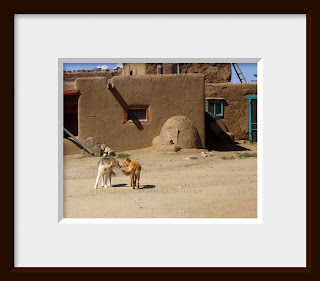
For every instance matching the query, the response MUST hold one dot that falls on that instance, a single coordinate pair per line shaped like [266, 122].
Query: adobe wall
[139, 67]
[151, 68]
[101, 110]
[106, 73]
[213, 72]
[236, 105]
[68, 85]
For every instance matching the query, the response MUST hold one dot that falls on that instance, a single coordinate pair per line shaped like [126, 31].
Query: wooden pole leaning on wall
[78, 142]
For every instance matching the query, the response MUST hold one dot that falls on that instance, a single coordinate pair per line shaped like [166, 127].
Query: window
[130, 72]
[160, 68]
[136, 72]
[140, 114]
[215, 106]
[176, 69]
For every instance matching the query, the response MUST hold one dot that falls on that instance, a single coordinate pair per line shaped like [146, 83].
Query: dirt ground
[171, 186]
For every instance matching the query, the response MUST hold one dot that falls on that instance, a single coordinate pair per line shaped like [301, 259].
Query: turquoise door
[253, 118]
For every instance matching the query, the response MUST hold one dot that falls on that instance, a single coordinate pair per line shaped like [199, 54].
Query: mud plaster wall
[101, 111]
[139, 67]
[72, 75]
[213, 72]
[68, 85]
[151, 68]
[236, 105]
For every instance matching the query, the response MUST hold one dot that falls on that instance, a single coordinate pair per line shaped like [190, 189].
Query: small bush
[228, 158]
[246, 155]
[123, 155]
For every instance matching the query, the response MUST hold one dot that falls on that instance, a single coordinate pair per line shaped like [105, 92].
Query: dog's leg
[103, 180]
[100, 173]
[131, 180]
[109, 179]
[138, 177]
[134, 180]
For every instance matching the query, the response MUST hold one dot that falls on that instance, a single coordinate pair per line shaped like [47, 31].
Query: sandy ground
[171, 186]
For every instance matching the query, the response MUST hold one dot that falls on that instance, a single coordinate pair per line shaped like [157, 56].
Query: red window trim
[72, 92]
[143, 120]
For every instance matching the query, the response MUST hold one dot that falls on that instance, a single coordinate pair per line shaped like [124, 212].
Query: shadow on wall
[124, 105]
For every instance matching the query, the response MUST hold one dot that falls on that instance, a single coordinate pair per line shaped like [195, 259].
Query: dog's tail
[125, 173]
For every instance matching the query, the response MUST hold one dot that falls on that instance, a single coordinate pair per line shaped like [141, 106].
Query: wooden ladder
[239, 73]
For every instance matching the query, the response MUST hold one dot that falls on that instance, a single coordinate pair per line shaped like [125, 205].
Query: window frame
[140, 120]
[222, 106]
[160, 66]
[178, 68]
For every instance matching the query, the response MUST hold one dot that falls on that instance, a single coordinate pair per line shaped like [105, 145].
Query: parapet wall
[213, 72]
[106, 73]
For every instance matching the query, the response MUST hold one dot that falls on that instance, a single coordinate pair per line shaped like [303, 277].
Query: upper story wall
[106, 73]
[213, 72]
[134, 69]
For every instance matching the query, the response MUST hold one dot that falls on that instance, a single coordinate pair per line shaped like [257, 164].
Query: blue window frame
[215, 106]
[253, 118]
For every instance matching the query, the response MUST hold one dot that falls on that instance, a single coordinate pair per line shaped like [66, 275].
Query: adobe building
[234, 103]
[94, 108]
[127, 110]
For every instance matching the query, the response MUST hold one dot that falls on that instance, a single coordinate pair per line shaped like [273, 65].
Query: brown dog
[134, 171]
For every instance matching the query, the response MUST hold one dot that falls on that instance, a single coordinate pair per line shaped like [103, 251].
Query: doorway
[253, 119]
[70, 121]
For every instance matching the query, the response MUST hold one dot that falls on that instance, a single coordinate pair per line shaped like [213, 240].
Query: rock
[94, 145]
[206, 154]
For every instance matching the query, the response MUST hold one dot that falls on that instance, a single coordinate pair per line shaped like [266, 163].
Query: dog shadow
[148, 186]
[119, 185]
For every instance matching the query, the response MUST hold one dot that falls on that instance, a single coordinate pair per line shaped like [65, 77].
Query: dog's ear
[116, 157]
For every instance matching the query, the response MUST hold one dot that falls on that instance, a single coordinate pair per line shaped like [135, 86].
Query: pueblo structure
[126, 108]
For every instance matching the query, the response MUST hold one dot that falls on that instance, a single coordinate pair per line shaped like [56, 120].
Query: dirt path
[173, 187]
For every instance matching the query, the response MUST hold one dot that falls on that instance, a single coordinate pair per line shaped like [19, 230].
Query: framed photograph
[187, 129]
[161, 142]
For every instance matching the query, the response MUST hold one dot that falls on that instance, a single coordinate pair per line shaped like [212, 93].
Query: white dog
[105, 166]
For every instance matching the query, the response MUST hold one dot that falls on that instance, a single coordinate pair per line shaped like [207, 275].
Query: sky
[87, 66]
[248, 69]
